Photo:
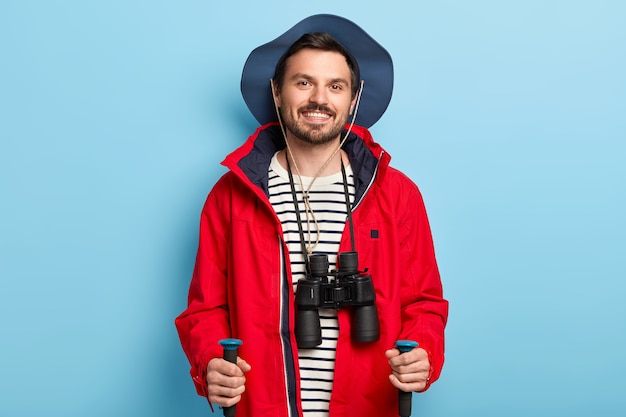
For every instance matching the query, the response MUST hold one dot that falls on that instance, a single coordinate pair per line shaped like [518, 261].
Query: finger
[418, 385]
[243, 365]
[414, 367]
[224, 367]
[226, 392]
[411, 356]
[224, 401]
[408, 359]
[217, 378]
[392, 353]
[407, 378]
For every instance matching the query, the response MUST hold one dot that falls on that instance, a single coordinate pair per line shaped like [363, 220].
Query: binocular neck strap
[305, 250]
[348, 208]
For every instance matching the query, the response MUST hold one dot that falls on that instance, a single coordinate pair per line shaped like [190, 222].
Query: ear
[353, 103]
[356, 97]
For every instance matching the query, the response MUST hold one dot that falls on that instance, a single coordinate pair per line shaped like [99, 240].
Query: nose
[318, 95]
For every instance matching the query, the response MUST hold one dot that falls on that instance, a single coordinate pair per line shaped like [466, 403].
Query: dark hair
[321, 41]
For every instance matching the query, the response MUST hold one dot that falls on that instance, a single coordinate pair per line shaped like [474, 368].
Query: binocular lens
[318, 264]
[348, 262]
[308, 329]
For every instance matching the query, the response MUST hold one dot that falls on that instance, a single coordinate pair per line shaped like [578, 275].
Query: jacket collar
[250, 161]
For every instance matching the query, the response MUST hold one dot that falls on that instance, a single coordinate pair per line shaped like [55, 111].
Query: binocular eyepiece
[349, 287]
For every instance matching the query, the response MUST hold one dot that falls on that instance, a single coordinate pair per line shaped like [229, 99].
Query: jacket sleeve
[206, 319]
[424, 310]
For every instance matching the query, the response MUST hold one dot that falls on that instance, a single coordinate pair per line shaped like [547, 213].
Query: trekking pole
[230, 354]
[404, 398]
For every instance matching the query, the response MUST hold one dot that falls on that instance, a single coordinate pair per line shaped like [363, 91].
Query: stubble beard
[310, 133]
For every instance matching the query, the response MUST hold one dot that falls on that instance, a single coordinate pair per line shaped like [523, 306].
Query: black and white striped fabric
[327, 198]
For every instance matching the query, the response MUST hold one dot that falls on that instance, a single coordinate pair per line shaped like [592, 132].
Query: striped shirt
[327, 197]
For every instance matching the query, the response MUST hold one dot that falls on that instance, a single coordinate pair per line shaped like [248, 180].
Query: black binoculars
[349, 287]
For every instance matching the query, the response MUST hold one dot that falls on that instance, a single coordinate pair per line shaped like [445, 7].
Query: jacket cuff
[432, 374]
[200, 383]
[199, 380]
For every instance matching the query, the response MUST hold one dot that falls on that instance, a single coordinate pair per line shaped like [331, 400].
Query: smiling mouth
[316, 115]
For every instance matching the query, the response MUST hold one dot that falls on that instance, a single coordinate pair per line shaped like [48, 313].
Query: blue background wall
[114, 117]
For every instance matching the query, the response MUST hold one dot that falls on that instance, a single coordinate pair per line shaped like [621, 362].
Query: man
[311, 181]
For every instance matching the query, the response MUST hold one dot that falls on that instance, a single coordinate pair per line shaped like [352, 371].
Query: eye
[336, 87]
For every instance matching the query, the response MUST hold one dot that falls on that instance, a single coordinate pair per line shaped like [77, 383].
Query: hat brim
[374, 62]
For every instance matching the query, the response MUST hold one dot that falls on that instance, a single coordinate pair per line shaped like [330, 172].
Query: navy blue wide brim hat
[374, 62]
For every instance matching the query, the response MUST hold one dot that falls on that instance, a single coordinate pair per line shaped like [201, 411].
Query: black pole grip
[230, 354]
[404, 403]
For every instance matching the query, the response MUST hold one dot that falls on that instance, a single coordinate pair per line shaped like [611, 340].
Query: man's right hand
[226, 381]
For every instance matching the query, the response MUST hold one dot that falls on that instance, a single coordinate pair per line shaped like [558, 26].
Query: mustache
[317, 107]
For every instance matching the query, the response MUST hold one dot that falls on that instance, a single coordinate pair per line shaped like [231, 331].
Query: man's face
[315, 99]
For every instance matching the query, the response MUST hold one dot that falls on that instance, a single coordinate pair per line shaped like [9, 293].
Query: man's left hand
[410, 370]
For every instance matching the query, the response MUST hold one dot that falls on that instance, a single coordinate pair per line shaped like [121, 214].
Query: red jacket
[241, 285]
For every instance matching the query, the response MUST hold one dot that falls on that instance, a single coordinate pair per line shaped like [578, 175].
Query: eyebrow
[307, 77]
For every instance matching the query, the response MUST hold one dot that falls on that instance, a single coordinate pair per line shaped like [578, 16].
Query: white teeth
[317, 115]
